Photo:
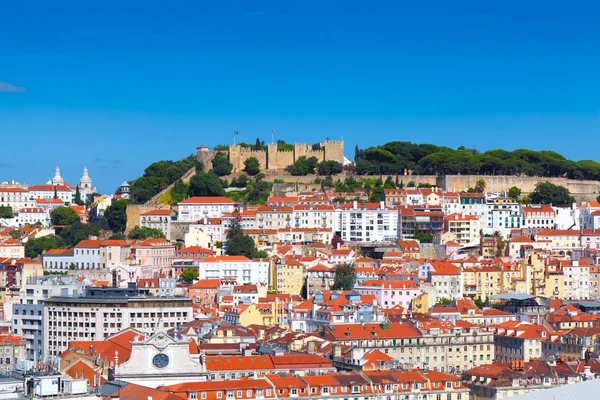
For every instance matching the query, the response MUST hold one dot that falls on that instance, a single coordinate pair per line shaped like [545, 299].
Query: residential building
[538, 216]
[390, 293]
[104, 311]
[239, 268]
[319, 278]
[288, 276]
[28, 314]
[313, 216]
[199, 208]
[157, 219]
[367, 222]
[461, 228]
[17, 197]
[274, 217]
[33, 215]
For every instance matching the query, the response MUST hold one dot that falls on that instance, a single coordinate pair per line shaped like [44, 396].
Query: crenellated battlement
[272, 158]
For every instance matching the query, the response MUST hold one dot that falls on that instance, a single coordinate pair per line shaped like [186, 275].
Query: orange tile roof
[208, 200]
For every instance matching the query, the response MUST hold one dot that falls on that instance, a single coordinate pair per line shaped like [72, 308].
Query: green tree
[189, 275]
[235, 226]
[116, 215]
[327, 182]
[179, 191]
[63, 216]
[241, 245]
[261, 190]
[480, 186]
[257, 146]
[90, 199]
[303, 166]
[252, 166]
[55, 193]
[329, 167]
[423, 237]
[598, 198]
[411, 184]
[77, 200]
[344, 278]
[205, 184]
[6, 212]
[479, 303]
[549, 193]
[36, 246]
[514, 192]
[444, 301]
[221, 165]
[389, 183]
[117, 236]
[71, 235]
[15, 234]
[240, 182]
[143, 232]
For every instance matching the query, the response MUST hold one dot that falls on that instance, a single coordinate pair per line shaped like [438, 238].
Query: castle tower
[272, 156]
[334, 150]
[204, 156]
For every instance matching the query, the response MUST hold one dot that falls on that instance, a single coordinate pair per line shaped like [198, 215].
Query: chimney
[355, 204]
[312, 347]
[381, 205]
[337, 351]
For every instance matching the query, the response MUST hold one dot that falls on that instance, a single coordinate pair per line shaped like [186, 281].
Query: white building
[15, 197]
[31, 215]
[157, 219]
[88, 254]
[367, 222]
[197, 208]
[11, 248]
[538, 216]
[577, 281]
[102, 312]
[240, 268]
[313, 216]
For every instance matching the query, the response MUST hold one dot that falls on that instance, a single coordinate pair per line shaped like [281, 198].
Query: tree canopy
[205, 184]
[395, 157]
[189, 275]
[329, 167]
[252, 166]
[514, 192]
[116, 215]
[303, 166]
[36, 246]
[549, 193]
[63, 216]
[71, 235]
[238, 243]
[221, 165]
[6, 212]
[144, 232]
[344, 278]
[158, 176]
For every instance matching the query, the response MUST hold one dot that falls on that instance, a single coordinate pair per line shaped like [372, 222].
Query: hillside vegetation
[429, 159]
[158, 176]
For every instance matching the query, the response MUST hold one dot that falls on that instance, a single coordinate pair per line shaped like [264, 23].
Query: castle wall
[284, 159]
[238, 155]
[273, 159]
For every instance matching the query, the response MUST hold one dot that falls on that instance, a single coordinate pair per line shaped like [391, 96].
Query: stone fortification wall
[582, 190]
[238, 155]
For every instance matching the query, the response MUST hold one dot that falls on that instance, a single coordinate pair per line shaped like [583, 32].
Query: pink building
[390, 293]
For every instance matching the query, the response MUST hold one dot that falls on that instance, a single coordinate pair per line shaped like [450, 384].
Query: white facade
[197, 208]
[32, 215]
[157, 219]
[367, 222]
[96, 317]
[317, 216]
[577, 282]
[240, 268]
[15, 197]
[538, 216]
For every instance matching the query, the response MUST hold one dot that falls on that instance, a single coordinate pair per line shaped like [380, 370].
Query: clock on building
[160, 360]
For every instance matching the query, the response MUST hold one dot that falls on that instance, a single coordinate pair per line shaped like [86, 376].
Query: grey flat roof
[576, 391]
[516, 296]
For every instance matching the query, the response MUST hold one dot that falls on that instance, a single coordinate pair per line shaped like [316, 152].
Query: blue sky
[118, 85]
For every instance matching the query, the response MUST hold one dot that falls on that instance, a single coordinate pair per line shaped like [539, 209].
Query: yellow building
[288, 276]
[253, 314]
[555, 284]
[482, 281]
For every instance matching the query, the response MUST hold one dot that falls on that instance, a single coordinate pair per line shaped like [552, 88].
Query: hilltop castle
[273, 159]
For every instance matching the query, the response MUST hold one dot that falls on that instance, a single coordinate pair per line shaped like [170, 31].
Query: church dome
[85, 180]
[57, 180]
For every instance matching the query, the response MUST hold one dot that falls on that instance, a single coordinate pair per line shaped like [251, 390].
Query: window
[193, 395]
[219, 395]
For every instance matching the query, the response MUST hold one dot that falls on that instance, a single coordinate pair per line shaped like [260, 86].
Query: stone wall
[134, 211]
[334, 150]
[238, 155]
[582, 190]
[285, 158]
[178, 230]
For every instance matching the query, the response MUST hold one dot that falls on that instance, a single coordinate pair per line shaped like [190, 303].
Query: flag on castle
[236, 133]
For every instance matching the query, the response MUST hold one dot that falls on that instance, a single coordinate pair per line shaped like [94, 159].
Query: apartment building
[201, 207]
[157, 219]
[367, 222]
[104, 311]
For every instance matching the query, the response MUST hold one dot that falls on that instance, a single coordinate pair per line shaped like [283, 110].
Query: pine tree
[257, 145]
[55, 193]
[356, 152]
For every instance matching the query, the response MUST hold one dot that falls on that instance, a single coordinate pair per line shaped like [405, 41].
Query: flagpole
[272, 136]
